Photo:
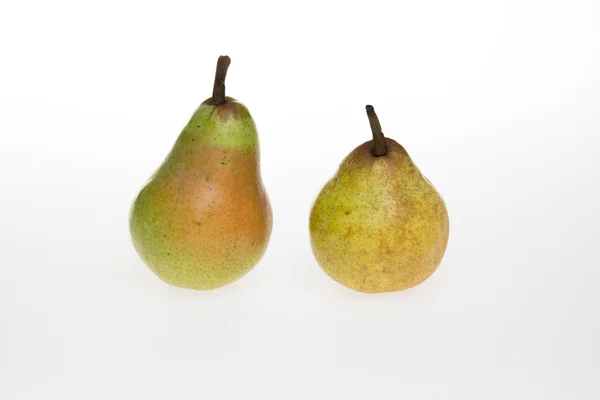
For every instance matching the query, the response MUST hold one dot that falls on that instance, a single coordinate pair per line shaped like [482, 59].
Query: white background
[497, 102]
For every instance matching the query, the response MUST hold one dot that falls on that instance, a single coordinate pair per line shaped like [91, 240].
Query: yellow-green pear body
[379, 225]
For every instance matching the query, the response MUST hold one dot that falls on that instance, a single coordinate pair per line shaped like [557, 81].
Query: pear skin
[204, 220]
[379, 225]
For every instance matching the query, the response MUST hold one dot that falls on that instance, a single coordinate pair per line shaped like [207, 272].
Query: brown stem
[218, 96]
[379, 145]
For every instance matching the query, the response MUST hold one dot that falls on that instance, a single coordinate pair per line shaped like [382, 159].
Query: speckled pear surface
[204, 219]
[379, 225]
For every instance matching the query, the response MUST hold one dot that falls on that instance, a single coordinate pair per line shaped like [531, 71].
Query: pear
[204, 220]
[379, 225]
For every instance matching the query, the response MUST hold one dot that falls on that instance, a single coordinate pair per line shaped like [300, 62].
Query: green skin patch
[229, 125]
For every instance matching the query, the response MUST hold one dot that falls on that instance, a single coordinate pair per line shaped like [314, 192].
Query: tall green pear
[379, 225]
[204, 220]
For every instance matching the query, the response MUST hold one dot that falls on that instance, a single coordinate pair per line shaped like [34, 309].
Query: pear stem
[218, 96]
[379, 145]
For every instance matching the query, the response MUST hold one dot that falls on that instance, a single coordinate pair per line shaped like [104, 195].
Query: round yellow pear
[379, 225]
